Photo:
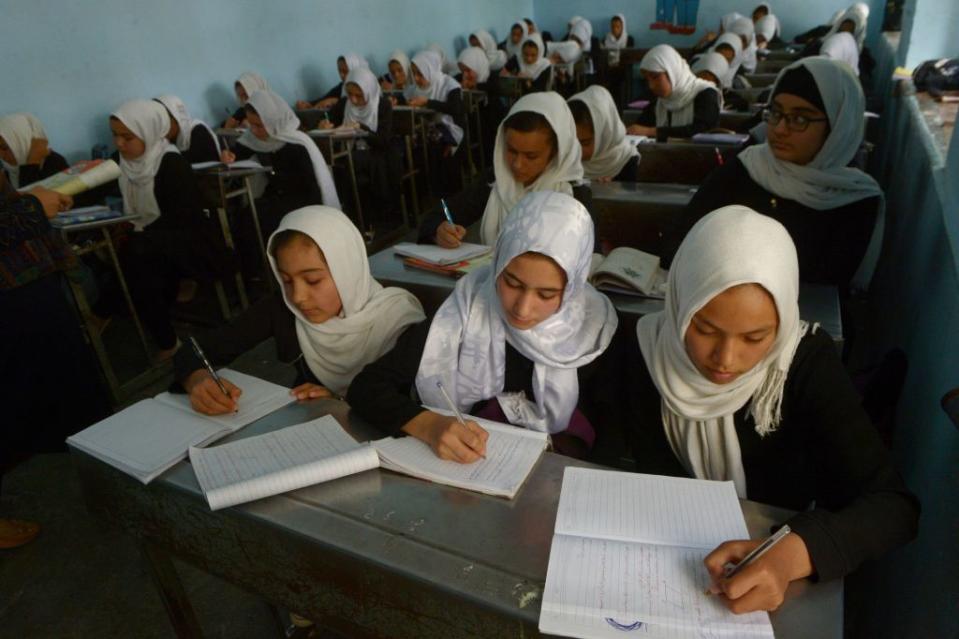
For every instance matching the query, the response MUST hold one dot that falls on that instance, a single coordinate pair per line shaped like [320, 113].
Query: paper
[511, 452]
[439, 255]
[721, 138]
[278, 462]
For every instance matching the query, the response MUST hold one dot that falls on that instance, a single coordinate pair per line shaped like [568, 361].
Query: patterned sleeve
[29, 247]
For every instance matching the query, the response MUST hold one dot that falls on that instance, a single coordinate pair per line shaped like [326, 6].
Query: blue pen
[446, 212]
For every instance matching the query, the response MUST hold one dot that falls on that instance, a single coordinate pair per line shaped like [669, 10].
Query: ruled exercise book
[627, 558]
[152, 435]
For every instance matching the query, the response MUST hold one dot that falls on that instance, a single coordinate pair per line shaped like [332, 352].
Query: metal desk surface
[380, 553]
[642, 192]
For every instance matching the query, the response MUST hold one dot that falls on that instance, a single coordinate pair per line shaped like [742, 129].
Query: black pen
[730, 570]
[206, 364]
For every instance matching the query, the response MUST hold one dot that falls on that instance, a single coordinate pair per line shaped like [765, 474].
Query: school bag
[937, 75]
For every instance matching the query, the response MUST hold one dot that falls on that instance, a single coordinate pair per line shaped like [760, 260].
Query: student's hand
[555, 58]
[504, 72]
[302, 105]
[448, 438]
[206, 396]
[762, 584]
[231, 123]
[639, 129]
[386, 86]
[418, 101]
[305, 392]
[325, 124]
[604, 180]
[327, 103]
[449, 235]
[51, 201]
[393, 100]
[39, 150]
[227, 156]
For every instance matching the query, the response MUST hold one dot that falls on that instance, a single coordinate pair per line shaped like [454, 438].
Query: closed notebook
[83, 214]
[154, 434]
[629, 271]
[456, 271]
[433, 254]
[233, 166]
[80, 177]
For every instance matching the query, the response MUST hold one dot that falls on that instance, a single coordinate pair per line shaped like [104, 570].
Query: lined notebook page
[259, 398]
[655, 509]
[439, 255]
[511, 453]
[278, 462]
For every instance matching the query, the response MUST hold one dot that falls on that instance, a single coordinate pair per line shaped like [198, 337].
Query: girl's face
[174, 128]
[587, 139]
[708, 77]
[759, 13]
[760, 41]
[616, 26]
[745, 41]
[307, 281]
[732, 333]
[798, 147]
[528, 153]
[342, 69]
[469, 76]
[658, 82]
[530, 53]
[355, 95]
[530, 289]
[848, 26]
[727, 52]
[241, 95]
[515, 34]
[474, 41]
[257, 128]
[128, 144]
[418, 77]
[398, 74]
[6, 153]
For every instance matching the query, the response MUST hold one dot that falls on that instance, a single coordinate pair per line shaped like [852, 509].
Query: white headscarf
[178, 110]
[767, 27]
[466, 347]
[475, 59]
[353, 61]
[445, 65]
[611, 41]
[565, 167]
[731, 246]
[713, 62]
[495, 56]
[827, 182]
[726, 22]
[366, 115]
[516, 49]
[439, 88]
[611, 148]
[404, 61]
[282, 125]
[678, 109]
[372, 317]
[19, 131]
[732, 40]
[842, 46]
[532, 71]
[583, 30]
[150, 122]
[859, 14]
[745, 27]
[777, 28]
[252, 82]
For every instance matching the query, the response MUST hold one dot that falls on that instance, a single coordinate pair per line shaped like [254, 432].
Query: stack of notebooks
[450, 262]
[629, 271]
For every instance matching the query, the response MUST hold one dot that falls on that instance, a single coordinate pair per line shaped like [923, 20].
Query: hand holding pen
[210, 394]
[449, 234]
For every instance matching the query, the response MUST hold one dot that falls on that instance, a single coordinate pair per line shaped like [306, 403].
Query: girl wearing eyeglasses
[802, 178]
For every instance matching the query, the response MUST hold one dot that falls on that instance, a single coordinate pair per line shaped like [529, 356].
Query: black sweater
[825, 452]
[293, 181]
[705, 117]
[378, 140]
[382, 393]
[202, 146]
[51, 165]
[830, 244]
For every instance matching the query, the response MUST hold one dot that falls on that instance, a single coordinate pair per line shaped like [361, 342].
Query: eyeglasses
[796, 123]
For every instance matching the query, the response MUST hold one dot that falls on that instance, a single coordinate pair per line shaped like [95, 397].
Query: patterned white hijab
[466, 347]
[611, 149]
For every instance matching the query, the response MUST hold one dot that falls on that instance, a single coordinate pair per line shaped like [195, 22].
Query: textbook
[83, 214]
[320, 450]
[80, 177]
[455, 271]
[629, 271]
[627, 557]
[154, 434]
[441, 256]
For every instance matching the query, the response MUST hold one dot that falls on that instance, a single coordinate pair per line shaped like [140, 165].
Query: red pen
[719, 156]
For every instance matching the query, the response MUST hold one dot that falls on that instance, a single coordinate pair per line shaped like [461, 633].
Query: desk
[327, 140]
[631, 57]
[380, 554]
[680, 162]
[751, 96]
[636, 213]
[409, 122]
[737, 121]
[760, 80]
[773, 65]
[475, 101]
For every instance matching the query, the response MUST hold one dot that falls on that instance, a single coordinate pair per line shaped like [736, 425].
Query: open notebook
[627, 556]
[320, 450]
[152, 435]
[438, 255]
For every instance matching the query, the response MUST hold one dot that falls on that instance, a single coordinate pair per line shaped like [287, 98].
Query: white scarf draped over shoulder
[495, 56]
[827, 181]
[19, 130]
[744, 27]
[252, 82]
[466, 346]
[367, 115]
[532, 71]
[767, 27]
[733, 41]
[679, 108]
[282, 127]
[565, 167]
[731, 246]
[842, 46]
[149, 121]
[714, 63]
[611, 149]
[372, 317]
[439, 86]
[611, 41]
[178, 110]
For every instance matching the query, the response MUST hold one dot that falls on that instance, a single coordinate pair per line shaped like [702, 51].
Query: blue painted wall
[71, 63]
[929, 30]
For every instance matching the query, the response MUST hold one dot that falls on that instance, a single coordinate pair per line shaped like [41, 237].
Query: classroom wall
[71, 63]
[929, 31]
[795, 16]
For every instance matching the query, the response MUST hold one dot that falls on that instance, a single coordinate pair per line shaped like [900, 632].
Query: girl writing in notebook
[802, 178]
[344, 64]
[607, 154]
[25, 151]
[683, 105]
[246, 85]
[533, 69]
[397, 77]
[517, 341]
[331, 319]
[194, 138]
[474, 69]
[729, 384]
[536, 150]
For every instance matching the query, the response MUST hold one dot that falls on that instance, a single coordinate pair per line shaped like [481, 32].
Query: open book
[80, 177]
[629, 271]
[433, 254]
[627, 555]
[152, 435]
[234, 166]
[455, 270]
[320, 450]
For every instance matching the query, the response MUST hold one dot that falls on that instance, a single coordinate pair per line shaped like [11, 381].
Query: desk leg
[412, 175]
[426, 152]
[479, 140]
[356, 189]
[126, 291]
[177, 605]
[95, 340]
[268, 271]
[469, 141]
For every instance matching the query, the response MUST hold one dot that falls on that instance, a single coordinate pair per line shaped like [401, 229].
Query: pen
[206, 364]
[456, 411]
[730, 570]
[719, 156]
[449, 218]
